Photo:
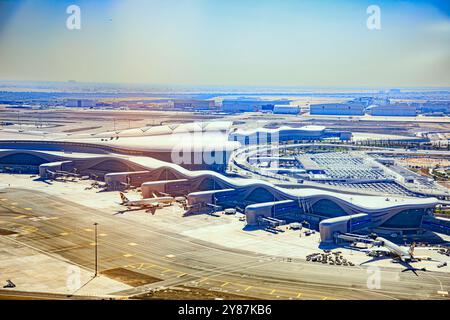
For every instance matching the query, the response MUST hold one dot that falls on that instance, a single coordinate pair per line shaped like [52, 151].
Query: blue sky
[232, 42]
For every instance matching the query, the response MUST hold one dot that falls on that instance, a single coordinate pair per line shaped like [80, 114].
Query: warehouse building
[341, 109]
[193, 104]
[285, 109]
[286, 133]
[436, 107]
[395, 110]
[248, 105]
[81, 103]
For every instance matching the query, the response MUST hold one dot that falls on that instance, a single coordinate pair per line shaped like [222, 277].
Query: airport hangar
[263, 203]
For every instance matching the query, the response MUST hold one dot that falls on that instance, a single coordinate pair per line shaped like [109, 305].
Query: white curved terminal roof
[370, 203]
[187, 142]
[177, 128]
[189, 137]
[363, 201]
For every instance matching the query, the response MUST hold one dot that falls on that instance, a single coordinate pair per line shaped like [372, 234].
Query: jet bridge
[350, 237]
[254, 212]
[271, 222]
[207, 199]
[340, 225]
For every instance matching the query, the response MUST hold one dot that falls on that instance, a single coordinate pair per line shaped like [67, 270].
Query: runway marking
[14, 203]
[148, 266]
[92, 244]
[181, 275]
[41, 218]
[20, 217]
[299, 295]
[273, 291]
[132, 244]
[63, 233]
[140, 266]
[442, 293]
[225, 284]
[248, 288]
[127, 255]
[88, 230]
[167, 270]
[159, 267]
[103, 234]
[324, 298]
[28, 209]
[203, 280]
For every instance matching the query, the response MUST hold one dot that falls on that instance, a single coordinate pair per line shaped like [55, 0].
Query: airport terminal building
[262, 202]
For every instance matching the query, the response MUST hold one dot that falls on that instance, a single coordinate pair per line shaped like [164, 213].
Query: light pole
[96, 249]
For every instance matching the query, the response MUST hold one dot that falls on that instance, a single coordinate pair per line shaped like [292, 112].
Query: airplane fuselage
[149, 202]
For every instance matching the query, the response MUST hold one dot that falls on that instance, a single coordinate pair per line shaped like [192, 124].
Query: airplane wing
[150, 205]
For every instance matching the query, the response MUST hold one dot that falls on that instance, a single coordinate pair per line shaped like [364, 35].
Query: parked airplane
[388, 248]
[400, 255]
[147, 203]
[397, 251]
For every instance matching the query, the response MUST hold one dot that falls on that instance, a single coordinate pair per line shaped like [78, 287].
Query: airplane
[147, 203]
[96, 185]
[398, 252]
[400, 255]
[377, 252]
[63, 174]
[67, 173]
[128, 186]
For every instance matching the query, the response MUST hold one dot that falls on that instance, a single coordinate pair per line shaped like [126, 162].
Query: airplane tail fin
[124, 198]
[411, 249]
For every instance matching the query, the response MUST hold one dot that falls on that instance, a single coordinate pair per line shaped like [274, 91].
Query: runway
[64, 230]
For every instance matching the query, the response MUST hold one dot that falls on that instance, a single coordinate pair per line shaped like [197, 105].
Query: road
[64, 230]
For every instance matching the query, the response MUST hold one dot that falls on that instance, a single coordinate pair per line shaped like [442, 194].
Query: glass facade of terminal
[22, 159]
[327, 208]
[411, 218]
[260, 195]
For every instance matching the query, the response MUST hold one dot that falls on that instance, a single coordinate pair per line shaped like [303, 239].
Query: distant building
[400, 110]
[366, 101]
[433, 107]
[81, 103]
[340, 109]
[379, 101]
[267, 108]
[285, 133]
[193, 104]
[285, 109]
[247, 105]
